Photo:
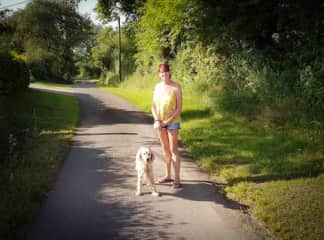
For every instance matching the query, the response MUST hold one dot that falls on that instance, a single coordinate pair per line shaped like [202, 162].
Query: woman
[166, 108]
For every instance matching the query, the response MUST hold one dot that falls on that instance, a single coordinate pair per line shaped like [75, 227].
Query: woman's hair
[164, 67]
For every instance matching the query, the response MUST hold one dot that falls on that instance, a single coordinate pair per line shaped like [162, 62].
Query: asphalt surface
[94, 196]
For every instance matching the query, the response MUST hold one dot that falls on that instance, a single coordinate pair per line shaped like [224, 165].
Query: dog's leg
[144, 178]
[139, 183]
[152, 184]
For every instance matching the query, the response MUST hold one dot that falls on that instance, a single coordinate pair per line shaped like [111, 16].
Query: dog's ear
[152, 156]
[139, 154]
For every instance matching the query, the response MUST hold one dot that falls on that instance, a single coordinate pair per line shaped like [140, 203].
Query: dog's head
[146, 154]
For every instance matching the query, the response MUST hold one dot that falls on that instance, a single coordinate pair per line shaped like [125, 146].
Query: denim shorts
[172, 126]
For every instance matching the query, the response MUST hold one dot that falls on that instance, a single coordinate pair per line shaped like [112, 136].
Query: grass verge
[52, 85]
[277, 171]
[41, 125]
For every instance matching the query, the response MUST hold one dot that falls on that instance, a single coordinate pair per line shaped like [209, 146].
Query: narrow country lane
[94, 196]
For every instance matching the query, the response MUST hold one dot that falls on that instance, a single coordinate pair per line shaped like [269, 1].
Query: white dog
[144, 168]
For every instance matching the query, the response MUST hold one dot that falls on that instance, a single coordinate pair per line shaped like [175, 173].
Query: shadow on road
[117, 133]
[203, 191]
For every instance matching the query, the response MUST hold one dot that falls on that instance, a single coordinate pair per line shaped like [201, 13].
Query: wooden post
[119, 43]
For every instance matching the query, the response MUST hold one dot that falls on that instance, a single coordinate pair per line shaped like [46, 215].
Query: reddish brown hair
[164, 67]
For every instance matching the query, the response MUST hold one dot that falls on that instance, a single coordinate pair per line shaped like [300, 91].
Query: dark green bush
[14, 74]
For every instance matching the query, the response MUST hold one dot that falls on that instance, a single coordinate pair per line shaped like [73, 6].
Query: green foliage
[292, 209]
[266, 49]
[311, 86]
[14, 73]
[6, 30]
[82, 56]
[163, 28]
[48, 32]
[199, 69]
[110, 9]
[269, 51]
[106, 52]
[87, 70]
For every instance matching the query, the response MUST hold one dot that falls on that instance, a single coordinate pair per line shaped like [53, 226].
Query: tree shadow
[94, 198]
[205, 191]
[314, 170]
[117, 133]
[187, 115]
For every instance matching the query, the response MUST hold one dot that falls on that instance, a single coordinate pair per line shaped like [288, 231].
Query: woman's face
[164, 75]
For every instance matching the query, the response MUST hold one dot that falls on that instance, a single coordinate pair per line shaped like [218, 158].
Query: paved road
[94, 196]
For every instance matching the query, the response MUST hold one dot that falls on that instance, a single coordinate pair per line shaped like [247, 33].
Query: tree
[49, 31]
[6, 30]
[105, 52]
[164, 27]
[83, 56]
[109, 9]
[112, 10]
[267, 50]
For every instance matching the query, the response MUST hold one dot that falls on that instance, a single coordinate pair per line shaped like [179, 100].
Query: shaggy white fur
[144, 168]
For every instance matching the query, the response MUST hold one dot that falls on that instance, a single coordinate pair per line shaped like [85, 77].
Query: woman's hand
[163, 123]
[157, 124]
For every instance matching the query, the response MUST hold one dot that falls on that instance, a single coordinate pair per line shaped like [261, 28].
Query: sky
[85, 7]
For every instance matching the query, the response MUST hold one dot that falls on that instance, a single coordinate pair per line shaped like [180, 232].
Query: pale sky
[85, 7]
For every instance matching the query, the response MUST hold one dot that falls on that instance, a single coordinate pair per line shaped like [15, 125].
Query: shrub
[14, 73]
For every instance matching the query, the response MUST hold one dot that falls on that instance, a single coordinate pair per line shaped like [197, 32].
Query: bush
[14, 73]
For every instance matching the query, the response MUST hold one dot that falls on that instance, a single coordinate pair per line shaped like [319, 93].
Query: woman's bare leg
[173, 142]
[163, 135]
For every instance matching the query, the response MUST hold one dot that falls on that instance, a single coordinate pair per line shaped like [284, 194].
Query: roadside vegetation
[52, 85]
[40, 42]
[39, 126]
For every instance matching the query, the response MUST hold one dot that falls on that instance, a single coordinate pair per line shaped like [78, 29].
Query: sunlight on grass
[53, 85]
[267, 152]
[140, 98]
[294, 209]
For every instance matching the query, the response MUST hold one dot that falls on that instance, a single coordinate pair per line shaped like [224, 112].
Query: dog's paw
[138, 193]
[155, 194]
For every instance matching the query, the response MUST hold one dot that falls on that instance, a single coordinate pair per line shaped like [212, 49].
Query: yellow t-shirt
[166, 104]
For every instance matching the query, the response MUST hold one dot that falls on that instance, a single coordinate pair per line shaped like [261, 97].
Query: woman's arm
[153, 107]
[157, 121]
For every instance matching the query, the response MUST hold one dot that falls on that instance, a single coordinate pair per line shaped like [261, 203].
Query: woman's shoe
[165, 180]
[176, 185]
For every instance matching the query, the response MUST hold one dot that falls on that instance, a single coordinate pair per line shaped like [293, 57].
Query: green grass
[50, 84]
[276, 170]
[27, 173]
[293, 209]
[239, 151]
[140, 98]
